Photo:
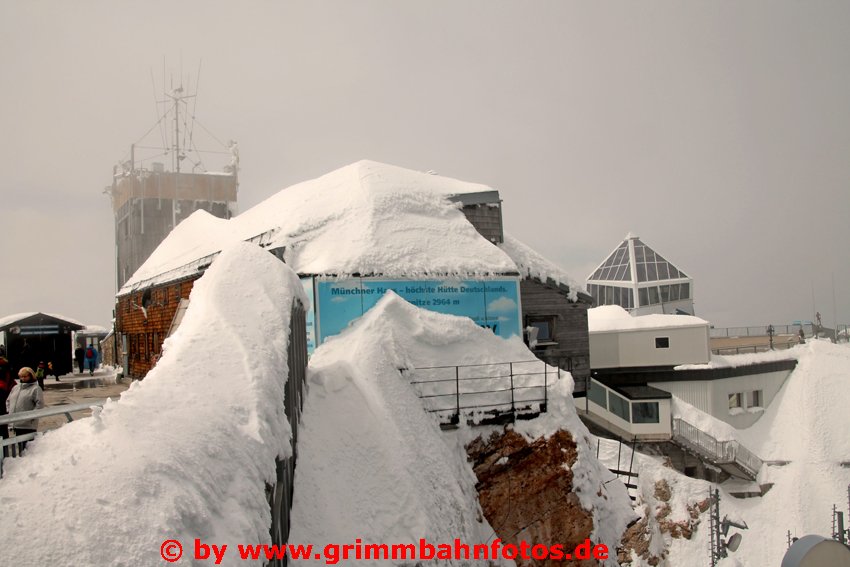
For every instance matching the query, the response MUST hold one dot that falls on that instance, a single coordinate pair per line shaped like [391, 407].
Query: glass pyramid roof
[650, 266]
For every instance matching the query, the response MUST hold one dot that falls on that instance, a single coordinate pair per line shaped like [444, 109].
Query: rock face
[526, 492]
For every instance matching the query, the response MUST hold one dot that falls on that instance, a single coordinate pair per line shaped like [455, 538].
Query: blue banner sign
[492, 303]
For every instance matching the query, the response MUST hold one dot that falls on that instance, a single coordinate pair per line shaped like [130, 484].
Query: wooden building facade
[562, 336]
[143, 320]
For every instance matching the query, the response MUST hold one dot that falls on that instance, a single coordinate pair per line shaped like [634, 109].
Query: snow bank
[184, 454]
[374, 465]
[615, 318]
[366, 218]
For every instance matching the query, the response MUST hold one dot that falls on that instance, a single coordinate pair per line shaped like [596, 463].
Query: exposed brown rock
[526, 492]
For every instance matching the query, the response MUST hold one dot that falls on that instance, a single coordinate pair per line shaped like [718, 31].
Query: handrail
[719, 452]
[50, 411]
[500, 383]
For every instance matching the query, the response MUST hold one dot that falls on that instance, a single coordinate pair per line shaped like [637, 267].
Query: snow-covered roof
[607, 318]
[364, 218]
[9, 319]
[149, 467]
[531, 264]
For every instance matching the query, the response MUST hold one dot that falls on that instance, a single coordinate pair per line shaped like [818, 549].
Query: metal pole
[545, 383]
[513, 408]
[457, 391]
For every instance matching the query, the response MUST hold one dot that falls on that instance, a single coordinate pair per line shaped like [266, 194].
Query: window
[755, 400]
[619, 406]
[736, 401]
[662, 342]
[598, 395]
[645, 412]
[545, 328]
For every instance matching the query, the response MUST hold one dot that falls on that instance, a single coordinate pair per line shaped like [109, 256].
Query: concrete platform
[78, 388]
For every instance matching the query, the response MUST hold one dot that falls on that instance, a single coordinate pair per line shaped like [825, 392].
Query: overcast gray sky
[717, 131]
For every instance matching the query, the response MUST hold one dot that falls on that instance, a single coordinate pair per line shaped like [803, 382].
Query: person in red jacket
[7, 382]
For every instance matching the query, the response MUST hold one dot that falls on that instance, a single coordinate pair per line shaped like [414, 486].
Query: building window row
[612, 295]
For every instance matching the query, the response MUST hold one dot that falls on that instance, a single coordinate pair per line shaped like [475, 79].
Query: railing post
[457, 392]
[513, 408]
[545, 384]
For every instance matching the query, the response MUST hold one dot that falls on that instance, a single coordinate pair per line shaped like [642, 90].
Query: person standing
[39, 375]
[52, 371]
[25, 396]
[79, 357]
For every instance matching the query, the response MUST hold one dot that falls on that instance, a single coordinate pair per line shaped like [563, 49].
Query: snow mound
[374, 465]
[365, 218]
[184, 454]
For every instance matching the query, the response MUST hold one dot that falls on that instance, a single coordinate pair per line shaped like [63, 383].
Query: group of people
[86, 358]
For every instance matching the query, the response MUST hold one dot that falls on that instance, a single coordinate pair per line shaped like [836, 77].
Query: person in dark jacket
[80, 357]
[25, 396]
[51, 371]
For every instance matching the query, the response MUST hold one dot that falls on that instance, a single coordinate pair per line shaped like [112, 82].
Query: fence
[719, 452]
[484, 392]
[745, 349]
[729, 332]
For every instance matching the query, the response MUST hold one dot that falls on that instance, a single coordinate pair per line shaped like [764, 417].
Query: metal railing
[746, 349]
[484, 392]
[718, 452]
[11, 445]
[760, 331]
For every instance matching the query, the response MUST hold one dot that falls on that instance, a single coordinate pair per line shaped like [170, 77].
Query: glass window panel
[618, 257]
[643, 296]
[598, 395]
[674, 292]
[631, 299]
[650, 255]
[645, 412]
[619, 406]
[627, 272]
[621, 271]
[609, 295]
[653, 295]
[663, 274]
[544, 332]
[641, 272]
[651, 273]
[735, 400]
[684, 291]
[674, 273]
[665, 293]
[639, 254]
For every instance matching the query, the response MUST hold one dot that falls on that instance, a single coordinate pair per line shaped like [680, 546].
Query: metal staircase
[730, 456]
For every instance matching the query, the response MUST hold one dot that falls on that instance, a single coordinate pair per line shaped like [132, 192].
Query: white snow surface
[366, 218]
[615, 318]
[372, 464]
[747, 359]
[184, 454]
[530, 263]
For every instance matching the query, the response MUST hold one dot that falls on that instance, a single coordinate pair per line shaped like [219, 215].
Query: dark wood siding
[146, 334]
[487, 220]
[572, 349]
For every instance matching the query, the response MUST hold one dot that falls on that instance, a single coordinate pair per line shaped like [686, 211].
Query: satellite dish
[734, 542]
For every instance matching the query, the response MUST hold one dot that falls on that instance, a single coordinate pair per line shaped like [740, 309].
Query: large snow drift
[372, 464]
[365, 218]
[185, 454]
